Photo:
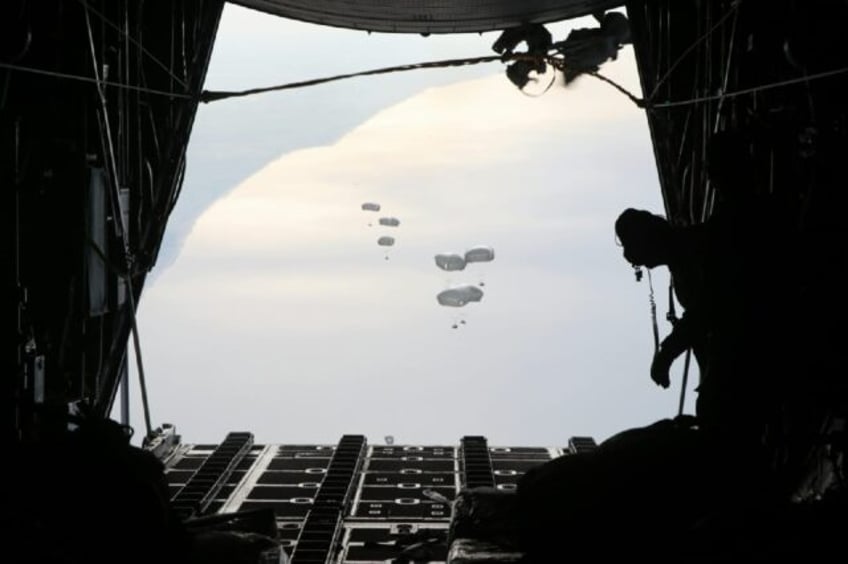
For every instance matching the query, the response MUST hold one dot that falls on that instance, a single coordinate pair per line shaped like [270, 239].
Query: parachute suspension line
[653, 303]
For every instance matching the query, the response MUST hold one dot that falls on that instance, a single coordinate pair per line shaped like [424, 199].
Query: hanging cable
[726, 69]
[696, 43]
[113, 170]
[139, 364]
[640, 102]
[90, 80]
[788, 82]
[211, 96]
[132, 40]
[709, 190]
[126, 276]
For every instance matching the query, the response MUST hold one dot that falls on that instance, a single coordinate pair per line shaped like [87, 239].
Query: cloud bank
[282, 315]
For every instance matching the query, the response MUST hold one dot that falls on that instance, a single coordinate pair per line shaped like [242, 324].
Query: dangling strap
[685, 381]
[653, 313]
[671, 316]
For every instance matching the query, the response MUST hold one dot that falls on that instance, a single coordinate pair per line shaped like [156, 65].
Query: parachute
[476, 255]
[389, 221]
[450, 262]
[370, 206]
[386, 241]
[459, 296]
[480, 254]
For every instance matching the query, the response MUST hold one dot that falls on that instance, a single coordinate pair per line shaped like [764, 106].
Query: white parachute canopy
[450, 261]
[459, 296]
[389, 221]
[480, 254]
[371, 206]
[386, 241]
[476, 255]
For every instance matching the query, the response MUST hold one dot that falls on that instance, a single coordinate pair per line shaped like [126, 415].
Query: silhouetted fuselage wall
[717, 65]
[97, 101]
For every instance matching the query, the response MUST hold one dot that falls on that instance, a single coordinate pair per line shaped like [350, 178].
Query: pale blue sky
[273, 310]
